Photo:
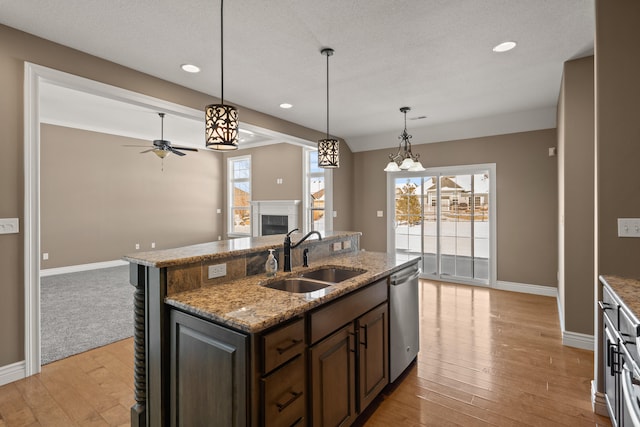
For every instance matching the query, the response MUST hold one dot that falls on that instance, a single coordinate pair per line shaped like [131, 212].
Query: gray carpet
[84, 310]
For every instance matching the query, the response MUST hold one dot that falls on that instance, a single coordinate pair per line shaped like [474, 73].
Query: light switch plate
[9, 225]
[628, 227]
[380, 214]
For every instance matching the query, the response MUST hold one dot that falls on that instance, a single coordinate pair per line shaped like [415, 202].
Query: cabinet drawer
[337, 314]
[282, 345]
[284, 395]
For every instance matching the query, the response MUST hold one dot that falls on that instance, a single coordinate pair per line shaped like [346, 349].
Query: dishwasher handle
[404, 276]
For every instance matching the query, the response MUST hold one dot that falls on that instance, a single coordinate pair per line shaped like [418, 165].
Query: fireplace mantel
[288, 208]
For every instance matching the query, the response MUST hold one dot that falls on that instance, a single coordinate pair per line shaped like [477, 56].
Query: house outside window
[239, 196]
[317, 193]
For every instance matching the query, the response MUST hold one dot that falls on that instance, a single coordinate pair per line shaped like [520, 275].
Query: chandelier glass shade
[221, 121]
[404, 159]
[328, 148]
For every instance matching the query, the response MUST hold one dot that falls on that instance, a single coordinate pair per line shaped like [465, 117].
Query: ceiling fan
[162, 147]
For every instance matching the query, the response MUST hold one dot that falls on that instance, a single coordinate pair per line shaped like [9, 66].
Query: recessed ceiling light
[285, 105]
[190, 68]
[504, 46]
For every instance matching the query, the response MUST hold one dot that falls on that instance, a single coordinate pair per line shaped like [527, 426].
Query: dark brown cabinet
[208, 373]
[373, 355]
[283, 382]
[320, 369]
[350, 366]
[333, 373]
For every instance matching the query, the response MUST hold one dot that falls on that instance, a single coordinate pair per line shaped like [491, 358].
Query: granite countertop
[627, 289]
[246, 305]
[220, 249]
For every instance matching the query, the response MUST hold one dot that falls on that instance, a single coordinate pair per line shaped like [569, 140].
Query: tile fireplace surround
[288, 208]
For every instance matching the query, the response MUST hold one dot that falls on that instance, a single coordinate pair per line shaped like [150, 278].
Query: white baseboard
[82, 267]
[14, 372]
[548, 291]
[577, 340]
[560, 313]
[598, 403]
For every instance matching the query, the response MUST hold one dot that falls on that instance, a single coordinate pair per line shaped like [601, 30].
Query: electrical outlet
[380, 214]
[217, 270]
[45, 256]
[137, 246]
[346, 244]
[153, 245]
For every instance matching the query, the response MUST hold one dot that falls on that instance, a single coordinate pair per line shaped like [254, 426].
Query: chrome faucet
[288, 246]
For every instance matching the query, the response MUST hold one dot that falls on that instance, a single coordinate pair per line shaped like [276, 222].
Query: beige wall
[617, 67]
[17, 47]
[617, 133]
[99, 198]
[576, 195]
[526, 198]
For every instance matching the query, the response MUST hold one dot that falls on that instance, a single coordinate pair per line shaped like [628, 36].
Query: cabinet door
[208, 379]
[333, 397]
[373, 367]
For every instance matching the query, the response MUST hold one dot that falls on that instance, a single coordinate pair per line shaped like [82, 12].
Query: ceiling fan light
[329, 153]
[221, 127]
[392, 167]
[161, 153]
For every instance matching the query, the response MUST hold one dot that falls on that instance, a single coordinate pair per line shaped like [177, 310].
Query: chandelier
[404, 159]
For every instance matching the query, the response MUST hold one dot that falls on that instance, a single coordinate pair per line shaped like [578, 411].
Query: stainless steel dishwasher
[404, 320]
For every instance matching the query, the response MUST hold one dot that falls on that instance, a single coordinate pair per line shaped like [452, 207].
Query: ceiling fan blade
[174, 151]
[146, 151]
[184, 148]
[135, 145]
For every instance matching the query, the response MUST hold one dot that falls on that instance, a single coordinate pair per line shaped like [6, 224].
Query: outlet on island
[217, 270]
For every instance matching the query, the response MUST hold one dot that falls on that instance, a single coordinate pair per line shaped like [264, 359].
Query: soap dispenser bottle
[271, 266]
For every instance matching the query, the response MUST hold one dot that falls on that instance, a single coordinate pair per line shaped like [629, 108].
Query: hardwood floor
[487, 357]
[490, 357]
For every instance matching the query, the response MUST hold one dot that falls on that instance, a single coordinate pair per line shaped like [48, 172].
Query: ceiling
[432, 55]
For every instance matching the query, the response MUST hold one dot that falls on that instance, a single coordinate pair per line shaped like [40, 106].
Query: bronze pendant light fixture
[328, 148]
[221, 121]
[404, 159]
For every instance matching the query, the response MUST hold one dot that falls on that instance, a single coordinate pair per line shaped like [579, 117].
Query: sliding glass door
[445, 216]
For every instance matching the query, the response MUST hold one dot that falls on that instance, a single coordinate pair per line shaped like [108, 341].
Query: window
[239, 196]
[318, 200]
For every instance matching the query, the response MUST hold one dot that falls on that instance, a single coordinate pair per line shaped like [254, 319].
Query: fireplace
[274, 224]
[274, 216]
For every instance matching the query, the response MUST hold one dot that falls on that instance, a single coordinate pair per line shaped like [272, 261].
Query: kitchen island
[229, 350]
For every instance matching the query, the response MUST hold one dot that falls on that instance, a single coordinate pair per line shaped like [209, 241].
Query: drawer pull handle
[366, 337]
[298, 422]
[294, 396]
[294, 343]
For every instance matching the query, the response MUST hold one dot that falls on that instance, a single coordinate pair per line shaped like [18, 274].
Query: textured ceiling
[432, 55]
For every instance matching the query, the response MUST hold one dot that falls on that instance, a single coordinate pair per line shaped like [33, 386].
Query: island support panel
[150, 318]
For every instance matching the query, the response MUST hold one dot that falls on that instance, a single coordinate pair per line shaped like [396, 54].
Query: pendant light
[328, 148]
[404, 159]
[221, 121]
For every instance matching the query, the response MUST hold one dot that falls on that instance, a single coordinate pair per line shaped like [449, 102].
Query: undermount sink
[297, 285]
[332, 274]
